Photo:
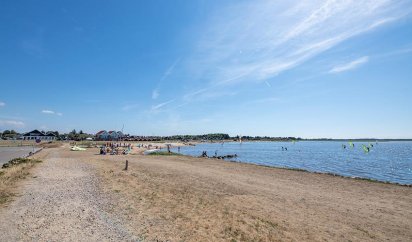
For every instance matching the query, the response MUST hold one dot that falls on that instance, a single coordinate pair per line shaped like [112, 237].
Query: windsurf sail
[365, 148]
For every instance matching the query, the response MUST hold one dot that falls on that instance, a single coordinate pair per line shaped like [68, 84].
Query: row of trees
[73, 135]
[268, 138]
[216, 136]
[8, 134]
[221, 136]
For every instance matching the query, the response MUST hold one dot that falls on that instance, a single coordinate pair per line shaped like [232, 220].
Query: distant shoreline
[334, 140]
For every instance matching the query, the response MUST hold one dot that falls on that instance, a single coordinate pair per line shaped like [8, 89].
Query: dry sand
[83, 196]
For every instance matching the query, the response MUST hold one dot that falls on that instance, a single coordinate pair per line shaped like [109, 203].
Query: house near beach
[38, 135]
[120, 134]
[111, 135]
[102, 135]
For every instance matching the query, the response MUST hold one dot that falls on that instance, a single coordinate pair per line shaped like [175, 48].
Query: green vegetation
[18, 161]
[222, 137]
[73, 135]
[216, 136]
[11, 173]
[8, 134]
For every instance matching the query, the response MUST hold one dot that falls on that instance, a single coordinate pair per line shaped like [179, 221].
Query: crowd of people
[114, 148]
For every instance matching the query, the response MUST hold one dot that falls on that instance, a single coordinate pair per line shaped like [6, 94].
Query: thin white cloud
[158, 106]
[2, 104]
[350, 66]
[265, 100]
[46, 111]
[255, 41]
[155, 94]
[166, 74]
[130, 107]
[401, 51]
[191, 95]
[169, 70]
[11, 123]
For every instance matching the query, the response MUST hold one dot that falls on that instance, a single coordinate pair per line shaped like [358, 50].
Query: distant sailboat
[240, 139]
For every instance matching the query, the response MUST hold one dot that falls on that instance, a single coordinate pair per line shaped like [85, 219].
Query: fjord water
[8, 153]
[386, 161]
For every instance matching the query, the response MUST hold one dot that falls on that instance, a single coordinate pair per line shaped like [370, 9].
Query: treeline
[73, 135]
[268, 138]
[216, 136]
[8, 134]
[221, 136]
[80, 135]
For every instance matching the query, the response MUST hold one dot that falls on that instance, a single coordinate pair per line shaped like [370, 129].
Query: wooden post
[127, 165]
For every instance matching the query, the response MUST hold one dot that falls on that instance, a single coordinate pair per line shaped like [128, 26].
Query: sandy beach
[83, 196]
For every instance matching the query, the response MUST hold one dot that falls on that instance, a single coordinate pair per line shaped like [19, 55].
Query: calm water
[386, 161]
[8, 153]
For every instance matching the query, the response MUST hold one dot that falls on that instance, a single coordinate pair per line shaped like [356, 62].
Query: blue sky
[280, 68]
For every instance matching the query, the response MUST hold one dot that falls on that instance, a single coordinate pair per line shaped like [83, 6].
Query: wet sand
[180, 198]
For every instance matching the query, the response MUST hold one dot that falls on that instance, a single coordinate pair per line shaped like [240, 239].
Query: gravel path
[62, 202]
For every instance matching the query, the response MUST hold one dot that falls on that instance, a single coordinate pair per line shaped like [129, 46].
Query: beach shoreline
[186, 198]
[162, 146]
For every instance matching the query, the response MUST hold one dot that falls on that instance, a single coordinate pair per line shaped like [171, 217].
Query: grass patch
[11, 173]
[18, 161]
[163, 153]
